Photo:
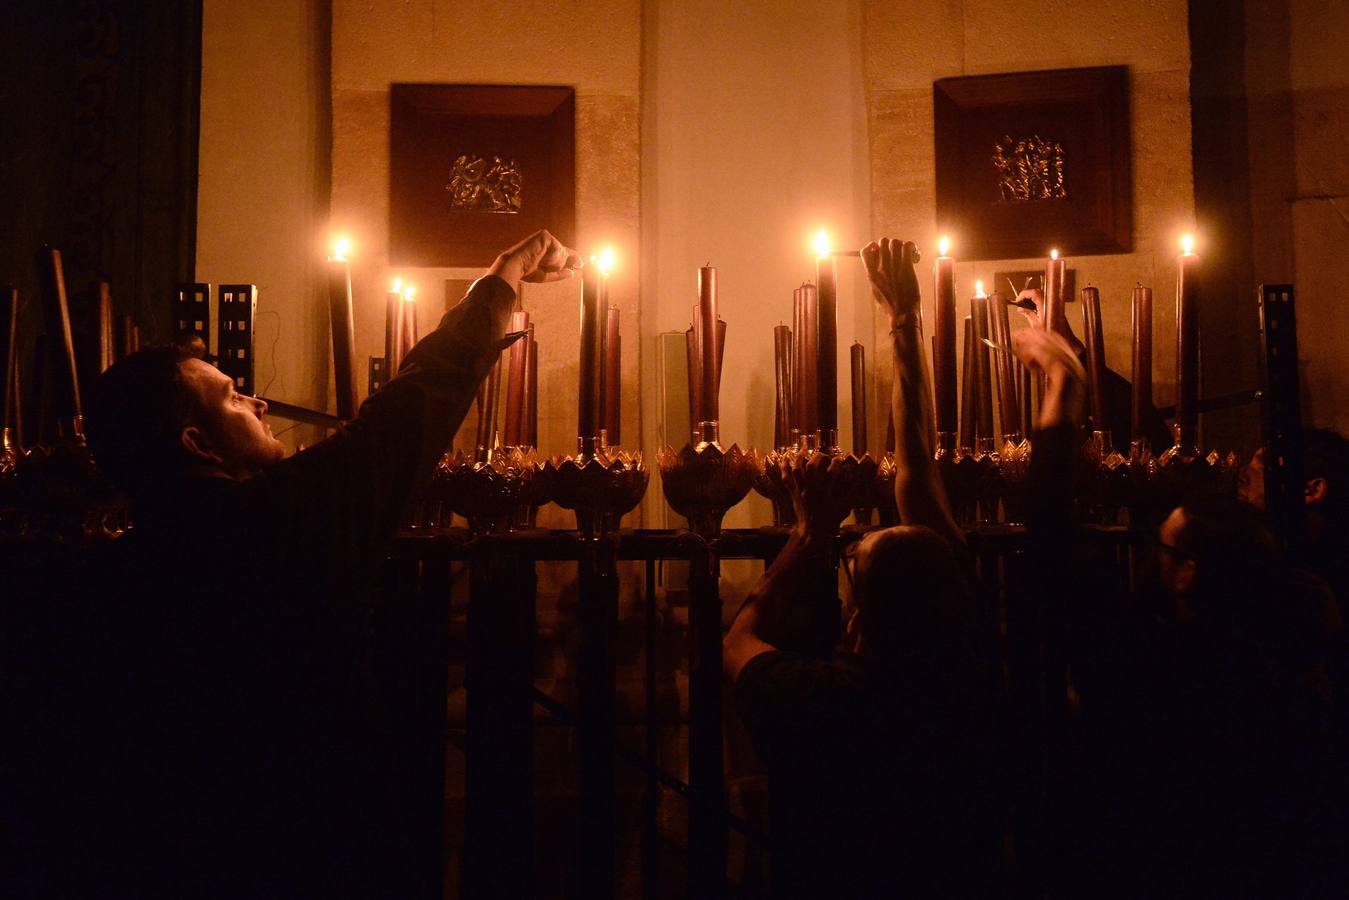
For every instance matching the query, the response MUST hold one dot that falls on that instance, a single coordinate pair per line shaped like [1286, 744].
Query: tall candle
[1025, 396]
[694, 379]
[531, 406]
[721, 351]
[1055, 313]
[409, 320]
[1141, 397]
[858, 357]
[827, 280]
[944, 340]
[980, 370]
[782, 375]
[1187, 345]
[9, 321]
[344, 338]
[493, 403]
[126, 336]
[1095, 341]
[967, 394]
[890, 431]
[65, 389]
[105, 336]
[480, 438]
[613, 361]
[1004, 365]
[587, 423]
[515, 386]
[708, 368]
[393, 329]
[798, 366]
[810, 361]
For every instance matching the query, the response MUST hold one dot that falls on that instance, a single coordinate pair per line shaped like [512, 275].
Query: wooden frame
[457, 134]
[1069, 129]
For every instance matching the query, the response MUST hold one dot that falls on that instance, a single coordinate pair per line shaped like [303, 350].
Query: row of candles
[806, 365]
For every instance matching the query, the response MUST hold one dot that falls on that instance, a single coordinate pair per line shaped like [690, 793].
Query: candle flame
[1187, 244]
[410, 292]
[822, 243]
[397, 286]
[605, 261]
[1054, 254]
[979, 288]
[341, 246]
[943, 245]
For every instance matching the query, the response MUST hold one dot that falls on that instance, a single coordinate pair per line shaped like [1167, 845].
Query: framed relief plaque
[475, 168]
[1034, 160]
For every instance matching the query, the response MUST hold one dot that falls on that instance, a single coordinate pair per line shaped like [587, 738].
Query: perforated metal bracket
[1281, 410]
[192, 313]
[237, 304]
[378, 378]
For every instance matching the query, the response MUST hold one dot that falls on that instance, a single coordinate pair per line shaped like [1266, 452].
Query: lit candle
[944, 339]
[1056, 315]
[587, 423]
[1000, 332]
[708, 369]
[515, 387]
[344, 338]
[782, 372]
[1187, 344]
[393, 329]
[1095, 342]
[409, 320]
[858, 359]
[613, 361]
[1142, 360]
[827, 280]
[808, 376]
[982, 392]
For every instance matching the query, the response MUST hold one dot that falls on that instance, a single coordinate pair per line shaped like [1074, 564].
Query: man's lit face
[229, 429]
[1251, 481]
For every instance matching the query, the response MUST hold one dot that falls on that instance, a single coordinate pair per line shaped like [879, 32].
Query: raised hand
[889, 264]
[819, 490]
[1065, 378]
[538, 258]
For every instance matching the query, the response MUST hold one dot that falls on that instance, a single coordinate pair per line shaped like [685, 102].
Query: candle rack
[600, 484]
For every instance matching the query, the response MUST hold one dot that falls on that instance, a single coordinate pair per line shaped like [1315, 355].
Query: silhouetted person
[220, 707]
[879, 756]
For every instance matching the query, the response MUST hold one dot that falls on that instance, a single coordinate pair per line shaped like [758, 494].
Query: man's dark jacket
[226, 734]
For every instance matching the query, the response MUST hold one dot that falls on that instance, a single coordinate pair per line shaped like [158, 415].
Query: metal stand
[597, 685]
[707, 823]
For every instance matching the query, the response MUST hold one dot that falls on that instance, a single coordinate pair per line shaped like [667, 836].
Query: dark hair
[134, 417]
[1235, 555]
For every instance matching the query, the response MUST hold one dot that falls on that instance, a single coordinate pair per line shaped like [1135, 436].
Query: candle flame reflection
[943, 245]
[822, 243]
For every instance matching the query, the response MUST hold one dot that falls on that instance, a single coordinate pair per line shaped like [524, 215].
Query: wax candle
[1004, 365]
[858, 358]
[708, 369]
[344, 338]
[1095, 342]
[798, 366]
[126, 336]
[613, 361]
[967, 394]
[827, 280]
[1141, 372]
[493, 405]
[587, 424]
[531, 407]
[64, 397]
[1187, 344]
[513, 435]
[393, 329]
[980, 368]
[105, 338]
[1055, 313]
[944, 339]
[409, 321]
[810, 359]
[782, 376]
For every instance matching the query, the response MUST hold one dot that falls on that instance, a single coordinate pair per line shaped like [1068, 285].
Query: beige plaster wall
[594, 47]
[1318, 92]
[754, 138]
[262, 186]
[909, 46]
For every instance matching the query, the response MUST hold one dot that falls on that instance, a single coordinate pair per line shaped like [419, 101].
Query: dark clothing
[225, 687]
[879, 785]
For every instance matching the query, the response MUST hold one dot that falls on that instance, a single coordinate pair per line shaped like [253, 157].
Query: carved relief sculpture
[1029, 169]
[476, 186]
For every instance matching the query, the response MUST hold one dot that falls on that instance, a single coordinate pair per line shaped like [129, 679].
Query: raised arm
[919, 492]
[794, 605]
